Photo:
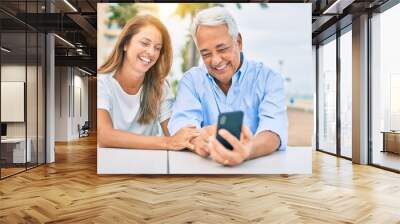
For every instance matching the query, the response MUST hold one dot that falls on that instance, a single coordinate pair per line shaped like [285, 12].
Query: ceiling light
[70, 5]
[64, 40]
[338, 6]
[5, 49]
[84, 71]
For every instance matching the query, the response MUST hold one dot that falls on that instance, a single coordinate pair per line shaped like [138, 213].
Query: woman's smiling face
[143, 49]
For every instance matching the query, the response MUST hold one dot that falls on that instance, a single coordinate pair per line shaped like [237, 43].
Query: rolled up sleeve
[187, 107]
[272, 111]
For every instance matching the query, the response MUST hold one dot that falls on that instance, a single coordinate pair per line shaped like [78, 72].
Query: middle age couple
[134, 97]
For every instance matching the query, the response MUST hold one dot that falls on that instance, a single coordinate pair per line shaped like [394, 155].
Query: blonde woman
[133, 98]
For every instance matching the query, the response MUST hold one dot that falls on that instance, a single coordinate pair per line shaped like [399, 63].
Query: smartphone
[232, 122]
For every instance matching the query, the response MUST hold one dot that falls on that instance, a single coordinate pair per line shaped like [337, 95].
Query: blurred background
[283, 45]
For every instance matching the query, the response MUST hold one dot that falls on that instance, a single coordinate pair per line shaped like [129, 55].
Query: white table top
[131, 161]
[295, 160]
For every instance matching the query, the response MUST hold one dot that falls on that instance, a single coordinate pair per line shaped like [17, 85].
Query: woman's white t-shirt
[124, 109]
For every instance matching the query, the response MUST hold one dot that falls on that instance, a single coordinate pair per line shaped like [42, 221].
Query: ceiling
[76, 20]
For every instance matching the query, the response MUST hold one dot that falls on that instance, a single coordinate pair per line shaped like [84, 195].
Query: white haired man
[228, 81]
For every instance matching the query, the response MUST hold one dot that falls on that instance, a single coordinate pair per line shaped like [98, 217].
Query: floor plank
[70, 191]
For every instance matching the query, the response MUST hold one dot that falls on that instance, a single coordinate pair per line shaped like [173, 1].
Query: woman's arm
[109, 137]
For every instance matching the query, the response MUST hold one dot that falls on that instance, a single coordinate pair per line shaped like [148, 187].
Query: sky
[279, 33]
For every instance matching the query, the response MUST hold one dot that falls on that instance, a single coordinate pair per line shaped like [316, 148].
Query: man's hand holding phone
[228, 142]
[241, 148]
[231, 145]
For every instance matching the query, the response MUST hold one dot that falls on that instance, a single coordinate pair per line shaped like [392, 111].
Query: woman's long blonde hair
[152, 91]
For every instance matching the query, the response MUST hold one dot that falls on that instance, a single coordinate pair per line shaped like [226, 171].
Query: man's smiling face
[220, 53]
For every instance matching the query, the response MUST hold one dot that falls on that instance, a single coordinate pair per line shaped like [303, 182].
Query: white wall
[80, 102]
[71, 93]
[33, 127]
[13, 73]
[61, 103]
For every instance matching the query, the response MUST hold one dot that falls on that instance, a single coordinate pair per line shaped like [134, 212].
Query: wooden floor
[70, 191]
[5, 172]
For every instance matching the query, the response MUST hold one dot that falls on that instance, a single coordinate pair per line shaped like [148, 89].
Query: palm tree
[189, 52]
[121, 13]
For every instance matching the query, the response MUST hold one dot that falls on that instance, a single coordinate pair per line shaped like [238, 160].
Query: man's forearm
[264, 143]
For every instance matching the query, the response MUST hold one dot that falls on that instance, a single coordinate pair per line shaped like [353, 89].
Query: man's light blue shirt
[256, 90]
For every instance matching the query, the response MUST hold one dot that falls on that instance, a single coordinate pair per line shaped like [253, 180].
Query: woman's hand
[200, 142]
[182, 138]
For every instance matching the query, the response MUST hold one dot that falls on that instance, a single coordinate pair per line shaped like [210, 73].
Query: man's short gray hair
[213, 17]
